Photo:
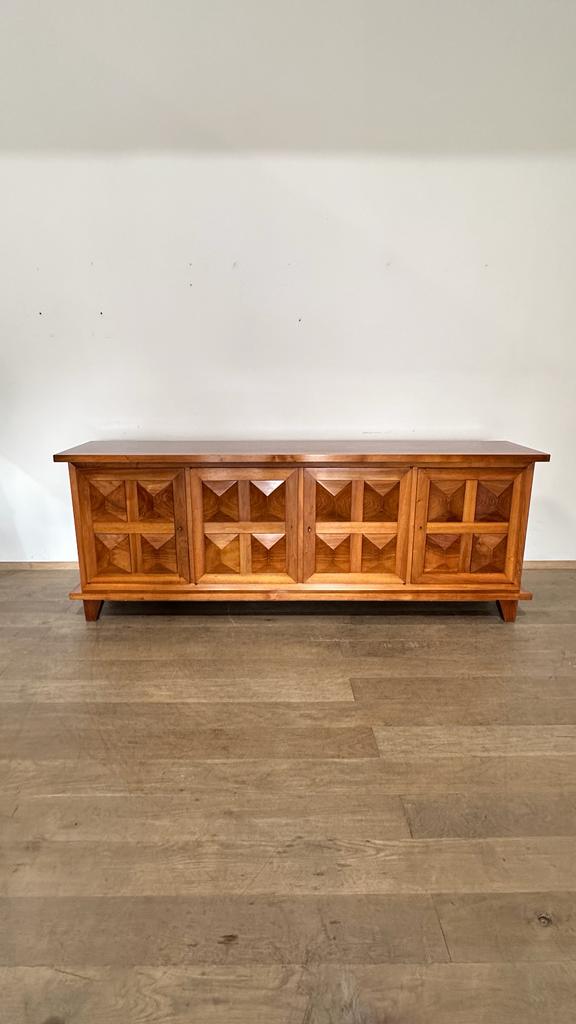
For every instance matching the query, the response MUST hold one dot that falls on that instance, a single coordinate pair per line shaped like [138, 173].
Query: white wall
[317, 219]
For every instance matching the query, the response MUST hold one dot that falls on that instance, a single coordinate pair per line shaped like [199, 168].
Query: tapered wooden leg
[92, 610]
[508, 610]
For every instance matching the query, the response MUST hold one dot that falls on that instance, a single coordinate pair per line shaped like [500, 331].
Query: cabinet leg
[92, 610]
[508, 610]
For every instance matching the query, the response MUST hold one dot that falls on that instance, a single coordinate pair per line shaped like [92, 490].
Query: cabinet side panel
[80, 511]
[519, 523]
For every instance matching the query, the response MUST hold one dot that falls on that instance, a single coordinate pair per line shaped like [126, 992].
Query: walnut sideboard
[293, 521]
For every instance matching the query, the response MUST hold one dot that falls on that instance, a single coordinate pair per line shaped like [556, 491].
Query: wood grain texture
[538, 993]
[170, 730]
[513, 926]
[234, 814]
[446, 993]
[474, 816]
[293, 451]
[299, 866]
[149, 995]
[240, 929]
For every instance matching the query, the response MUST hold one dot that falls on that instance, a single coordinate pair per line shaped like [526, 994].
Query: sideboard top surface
[352, 451]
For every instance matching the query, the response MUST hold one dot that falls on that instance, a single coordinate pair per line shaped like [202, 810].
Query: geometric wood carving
[155, 499]
[249, 526]
[112, 553]
[135, 523]
[268, 552]
[467, 498]
[108, 500]
[446, 501]
[442, 553]
[381, 499]
[350, 523]
[489, 552]
[267, 500]
[220, 499]
[222, 553]
[379, 553]
[332, 552]
[159, 553]
[493, 501]
[333, 501]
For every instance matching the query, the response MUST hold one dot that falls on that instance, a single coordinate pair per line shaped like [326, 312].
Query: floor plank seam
[406, 815]
[441, 927]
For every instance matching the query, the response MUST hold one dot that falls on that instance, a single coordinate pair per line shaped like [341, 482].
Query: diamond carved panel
[378, 553]
[159, 554]
[267, 501]
[268, 551]
[222, 553]
[489, 552]
[333, 501]
[112, 554]
[155, 500]
[446, 501]
[494, 501]
[442, 553]
[332, 552]
[381, 500]
[220, 501]
[108, 500]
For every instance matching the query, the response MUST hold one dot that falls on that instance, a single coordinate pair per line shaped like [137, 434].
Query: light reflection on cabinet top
[201, 452]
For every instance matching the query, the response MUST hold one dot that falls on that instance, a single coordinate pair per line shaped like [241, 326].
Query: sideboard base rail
[507, 601]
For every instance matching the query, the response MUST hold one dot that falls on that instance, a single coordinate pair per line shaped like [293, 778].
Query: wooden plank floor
[287, 815]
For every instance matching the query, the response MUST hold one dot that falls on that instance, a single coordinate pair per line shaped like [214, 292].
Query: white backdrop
[410, 275]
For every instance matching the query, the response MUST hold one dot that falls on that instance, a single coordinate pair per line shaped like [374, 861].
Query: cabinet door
[245, 525]
[356, 525]
[134, 526]
[470, 525]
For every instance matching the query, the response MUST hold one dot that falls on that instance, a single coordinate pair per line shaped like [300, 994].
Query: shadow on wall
[323, 75]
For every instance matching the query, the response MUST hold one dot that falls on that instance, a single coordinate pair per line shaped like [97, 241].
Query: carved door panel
[245, 525]
[356, 525]
[469, 526]
[134, 526]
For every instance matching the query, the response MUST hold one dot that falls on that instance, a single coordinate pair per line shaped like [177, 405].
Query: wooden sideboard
[292, 520]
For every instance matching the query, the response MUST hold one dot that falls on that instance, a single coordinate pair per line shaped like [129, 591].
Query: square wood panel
[245, 525]
[356, 525]
[134, 526]
[468, 526]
